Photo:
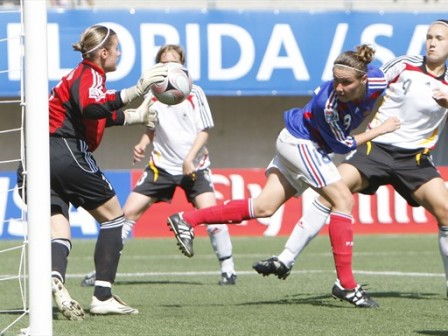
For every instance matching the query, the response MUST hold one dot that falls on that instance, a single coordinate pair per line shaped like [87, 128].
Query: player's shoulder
[376, 78]
[324, 97]
[412, 60]
[197, 90]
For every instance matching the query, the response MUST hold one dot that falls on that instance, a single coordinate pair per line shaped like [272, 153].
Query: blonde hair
[357, 59]
[93, 39]
[171, 47]
[441, 21]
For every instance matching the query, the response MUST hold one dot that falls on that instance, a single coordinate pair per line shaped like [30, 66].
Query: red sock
[341, 237]
[232, 212]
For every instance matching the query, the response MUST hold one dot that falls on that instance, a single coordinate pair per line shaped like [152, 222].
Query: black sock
[102, 293]
[60, 249]
[108, 249]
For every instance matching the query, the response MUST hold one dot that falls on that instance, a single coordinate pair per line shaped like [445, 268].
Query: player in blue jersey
[418, 96]
[302, 159]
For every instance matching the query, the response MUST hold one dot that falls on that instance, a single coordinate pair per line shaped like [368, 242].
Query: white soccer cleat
[114, 305]
[70, 308]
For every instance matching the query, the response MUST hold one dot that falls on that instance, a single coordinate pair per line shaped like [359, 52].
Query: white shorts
[303, 163]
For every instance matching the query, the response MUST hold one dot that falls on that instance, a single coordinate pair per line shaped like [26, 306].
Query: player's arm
[388, 126]
[140, 148]
[200, 141]
[441, 97]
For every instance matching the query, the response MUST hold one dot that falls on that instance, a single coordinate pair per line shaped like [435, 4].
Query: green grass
[180, 296]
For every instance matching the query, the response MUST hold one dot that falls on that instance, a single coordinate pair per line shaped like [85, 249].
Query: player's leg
[304, 231]
[60, 249]
[340, 229]
[60, 160]
[341, 237]
[220, 239]
[222, 246]
[200, 192]
[433, 196]
[107, 255]
[276, 191]
[134, 207]
[315, 217]
[136, 204]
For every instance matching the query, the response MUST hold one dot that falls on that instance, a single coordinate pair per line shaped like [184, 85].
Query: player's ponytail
[93, 39]
[356, 60]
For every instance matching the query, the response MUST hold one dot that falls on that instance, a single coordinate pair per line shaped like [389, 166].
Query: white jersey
[176, 131]
[409, 97]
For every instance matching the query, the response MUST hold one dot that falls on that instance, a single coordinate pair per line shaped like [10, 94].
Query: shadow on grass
[406, 295]
[432, 332]
[12, 311]
[158, 282]
[326, 300]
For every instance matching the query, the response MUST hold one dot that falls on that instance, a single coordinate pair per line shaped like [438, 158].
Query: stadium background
[247, 111]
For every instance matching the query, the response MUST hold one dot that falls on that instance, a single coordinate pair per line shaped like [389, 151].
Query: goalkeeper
[80, 108]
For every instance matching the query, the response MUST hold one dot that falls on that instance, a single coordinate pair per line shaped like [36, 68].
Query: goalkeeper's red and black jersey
[81, 107]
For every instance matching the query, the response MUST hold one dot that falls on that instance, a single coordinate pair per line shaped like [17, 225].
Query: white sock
[222, 245]
[304, 231]
[126, 229]
[443, 247]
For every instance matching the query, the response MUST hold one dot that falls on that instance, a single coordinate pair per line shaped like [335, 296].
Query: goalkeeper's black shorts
[75, 177]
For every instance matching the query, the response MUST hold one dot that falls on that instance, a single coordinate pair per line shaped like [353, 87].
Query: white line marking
[214, 273]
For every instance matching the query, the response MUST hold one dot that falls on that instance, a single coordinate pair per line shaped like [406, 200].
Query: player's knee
[344, 202]
[264, 210]
[441, 214]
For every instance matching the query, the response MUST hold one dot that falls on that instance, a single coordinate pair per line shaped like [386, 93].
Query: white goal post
[37, 167]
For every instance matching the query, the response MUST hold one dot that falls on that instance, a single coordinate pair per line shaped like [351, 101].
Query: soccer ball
[176, 86]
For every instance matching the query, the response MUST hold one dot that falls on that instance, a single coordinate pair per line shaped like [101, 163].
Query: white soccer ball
[176, 86]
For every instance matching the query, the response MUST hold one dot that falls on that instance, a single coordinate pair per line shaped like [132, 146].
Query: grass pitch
[180, 296]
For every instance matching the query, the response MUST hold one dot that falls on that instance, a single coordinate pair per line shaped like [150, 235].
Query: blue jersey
[328, 121]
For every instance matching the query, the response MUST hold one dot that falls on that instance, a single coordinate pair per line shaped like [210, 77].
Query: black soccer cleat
[357, 296]
[183, 232]
[272, 266]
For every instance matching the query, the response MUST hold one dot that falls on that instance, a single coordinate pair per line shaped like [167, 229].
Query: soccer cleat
[272, 266]
[114, 305]
[89, 279]
[227, 279]
[183, 232]
[357, 296]
[24, 332]
[66, 305]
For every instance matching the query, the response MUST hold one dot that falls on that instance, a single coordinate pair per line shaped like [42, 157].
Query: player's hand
[440, 97]
[140, 115]
[390, 125]
[151, 118]
[188, 168]
[139, 153]
[153, 75]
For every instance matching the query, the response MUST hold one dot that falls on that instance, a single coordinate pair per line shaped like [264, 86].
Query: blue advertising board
[229, 53]
[12, 209]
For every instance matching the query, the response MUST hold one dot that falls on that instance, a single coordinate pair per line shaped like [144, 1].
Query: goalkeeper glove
[142, 115]
[153, 75]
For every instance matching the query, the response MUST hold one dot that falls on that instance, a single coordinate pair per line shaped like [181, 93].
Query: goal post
[37, 167]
